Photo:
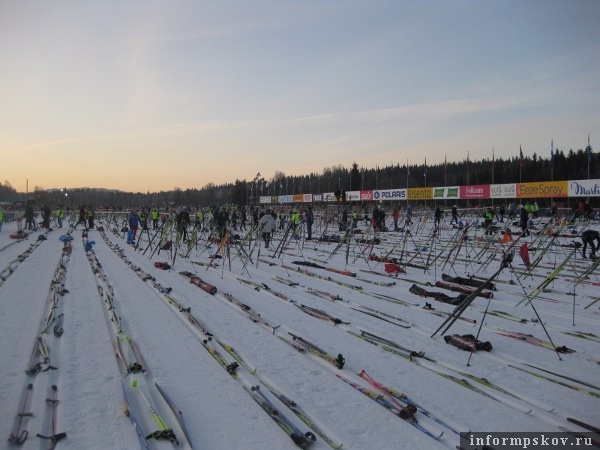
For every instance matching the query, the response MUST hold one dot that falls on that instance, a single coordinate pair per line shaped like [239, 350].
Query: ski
[176, 411]
[406, 413]
[164, 432]
[402, 397]
[302, 440]
[383, 316]
[554, 380]
[54, 437]
[229, 349]
[530, 339]
[584, 383]
[303, 345]
[325, 295]
[18, 435]
[231, 368]
[296, 409]
[390, 346]
[250, 313]
[259, 286]
[320, 314]
[585, 425]
[132, 419]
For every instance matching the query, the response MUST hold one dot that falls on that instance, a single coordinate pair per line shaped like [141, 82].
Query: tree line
[574, 165]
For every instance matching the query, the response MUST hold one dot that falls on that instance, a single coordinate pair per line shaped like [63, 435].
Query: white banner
[584, 188]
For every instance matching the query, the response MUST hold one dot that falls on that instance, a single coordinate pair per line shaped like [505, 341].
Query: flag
[588, 149]
[468, 163]
[425, 168]
[521, 155]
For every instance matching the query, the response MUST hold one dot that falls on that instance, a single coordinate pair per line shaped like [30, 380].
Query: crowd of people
[268, 220]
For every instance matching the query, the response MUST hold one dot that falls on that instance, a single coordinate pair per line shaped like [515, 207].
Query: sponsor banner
[298, 198]
[543, 189]
[446, 192]
[453, 192]
[329, 197]
[264, 199]
[307, 198]
[475, 191]
[352, 196]
[425, 193]
[389, 194]
[285, 199]
[366, 196]
[584, 188]
[317, 197]
[503, 190]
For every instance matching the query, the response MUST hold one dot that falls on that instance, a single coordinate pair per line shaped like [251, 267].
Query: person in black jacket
[588, 237]
[183, 221]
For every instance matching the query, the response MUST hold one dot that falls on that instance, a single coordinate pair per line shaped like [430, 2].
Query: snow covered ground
[44, 286]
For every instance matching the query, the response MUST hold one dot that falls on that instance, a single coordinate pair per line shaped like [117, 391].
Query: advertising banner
[503, 190]
[584, 188]
[475, 191]
[389, 194]
[352, 196]
[446, 192]
[425, 193]
[543, 189]
[366, 196]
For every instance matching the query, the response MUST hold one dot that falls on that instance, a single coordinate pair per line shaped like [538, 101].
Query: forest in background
[574, 165]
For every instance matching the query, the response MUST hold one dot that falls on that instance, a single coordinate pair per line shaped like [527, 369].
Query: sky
[155, 95]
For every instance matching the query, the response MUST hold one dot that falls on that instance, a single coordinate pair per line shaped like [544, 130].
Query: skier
[588, 237]
[59, 216]
[90, 217]
[309, 219]
[267, 225]
[46, 217]
[454, 219]
[524, 222]
[488, 217]
[29, 216]
[395, 217]
[155, 216]
[82, 218]
[437, 217]
[183, 222]
[134, 223]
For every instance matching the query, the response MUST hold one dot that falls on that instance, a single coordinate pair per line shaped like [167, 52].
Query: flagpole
[552, 160]
[551, 167]
[468, 173]
[589, 156]
[493, 161]
[407, 175]
[445, 177]
[520, 162]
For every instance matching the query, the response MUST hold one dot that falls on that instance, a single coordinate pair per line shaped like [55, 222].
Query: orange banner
[543, 189]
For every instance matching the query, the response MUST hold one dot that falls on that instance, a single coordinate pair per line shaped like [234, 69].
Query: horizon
[156, 98]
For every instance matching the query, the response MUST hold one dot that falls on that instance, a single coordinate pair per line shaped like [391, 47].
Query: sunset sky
[153, 95]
